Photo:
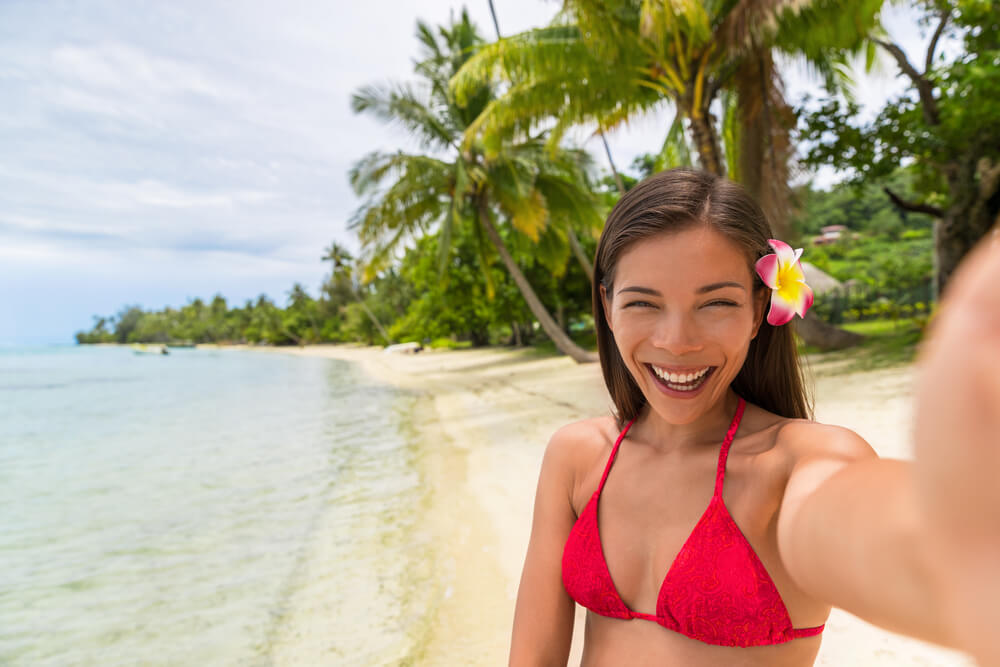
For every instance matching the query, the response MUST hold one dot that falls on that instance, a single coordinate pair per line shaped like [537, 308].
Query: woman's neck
[708, 430]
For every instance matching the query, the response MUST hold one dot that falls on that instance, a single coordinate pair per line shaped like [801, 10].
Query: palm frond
[556, 48]
[815, 30]
[667, 23]
[403, 105]
[552, 249]
[675, 152]
[368, 173]
[417, 198]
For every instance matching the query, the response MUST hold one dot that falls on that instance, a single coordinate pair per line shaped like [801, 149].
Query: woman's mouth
[685, 383]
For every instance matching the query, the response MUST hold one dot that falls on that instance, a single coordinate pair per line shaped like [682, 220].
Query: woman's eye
[720, 303]
[640, 304]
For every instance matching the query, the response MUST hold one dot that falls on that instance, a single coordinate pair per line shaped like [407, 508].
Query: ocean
[209, 507]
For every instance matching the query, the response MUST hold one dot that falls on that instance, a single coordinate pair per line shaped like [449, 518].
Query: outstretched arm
[957, 441]
[915, 547]
[849, 533]
[543, 616]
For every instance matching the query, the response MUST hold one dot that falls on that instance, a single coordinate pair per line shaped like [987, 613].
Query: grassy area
[887, 343]
[450, 344]
[544, 347]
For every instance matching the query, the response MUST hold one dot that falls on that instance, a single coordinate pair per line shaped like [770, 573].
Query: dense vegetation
[486, 236]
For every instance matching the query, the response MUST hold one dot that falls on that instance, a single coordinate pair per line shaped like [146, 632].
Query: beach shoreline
[487, 414]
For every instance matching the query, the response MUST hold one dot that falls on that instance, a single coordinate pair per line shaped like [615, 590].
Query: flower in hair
[782, 272]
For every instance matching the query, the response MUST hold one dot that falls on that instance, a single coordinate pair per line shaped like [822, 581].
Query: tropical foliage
[945, 126]
[604, 62]
[534, 192]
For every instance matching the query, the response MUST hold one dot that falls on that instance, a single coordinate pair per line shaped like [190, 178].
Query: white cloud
[122, 69]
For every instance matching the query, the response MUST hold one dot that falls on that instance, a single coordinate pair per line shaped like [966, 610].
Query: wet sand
[490, 413]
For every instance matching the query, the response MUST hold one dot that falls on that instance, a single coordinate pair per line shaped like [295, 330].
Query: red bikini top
[717, 590]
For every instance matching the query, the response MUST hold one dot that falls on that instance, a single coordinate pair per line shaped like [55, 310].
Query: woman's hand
[957, 443]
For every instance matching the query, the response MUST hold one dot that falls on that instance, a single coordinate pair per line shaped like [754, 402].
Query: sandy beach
[490, 413]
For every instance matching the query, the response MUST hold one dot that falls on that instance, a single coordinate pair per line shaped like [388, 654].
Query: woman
[710, 521]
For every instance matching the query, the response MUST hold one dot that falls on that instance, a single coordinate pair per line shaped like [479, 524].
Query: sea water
[208, 507]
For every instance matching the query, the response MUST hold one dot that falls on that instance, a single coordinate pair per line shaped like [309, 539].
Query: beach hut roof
[820, 281]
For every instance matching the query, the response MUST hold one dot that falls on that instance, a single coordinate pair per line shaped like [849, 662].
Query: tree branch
[924, 87]
[945, 14]
[911, 206]
[900, 56]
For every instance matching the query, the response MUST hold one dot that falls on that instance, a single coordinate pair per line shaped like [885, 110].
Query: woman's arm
[849, 533]
[543, 617]
[957, 440]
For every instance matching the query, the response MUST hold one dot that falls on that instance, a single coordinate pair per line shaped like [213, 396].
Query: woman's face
[683, 314]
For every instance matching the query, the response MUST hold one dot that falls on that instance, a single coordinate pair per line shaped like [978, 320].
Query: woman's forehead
[699, 255]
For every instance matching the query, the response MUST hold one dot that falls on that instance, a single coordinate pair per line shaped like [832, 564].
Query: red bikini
[717, 590]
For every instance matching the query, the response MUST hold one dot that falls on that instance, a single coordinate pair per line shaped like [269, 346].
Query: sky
[155, 152]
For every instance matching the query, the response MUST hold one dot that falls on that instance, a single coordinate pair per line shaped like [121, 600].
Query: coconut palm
[541, 193]
[604, 62]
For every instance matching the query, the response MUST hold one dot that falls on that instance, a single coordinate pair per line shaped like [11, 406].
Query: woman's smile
[682, 385]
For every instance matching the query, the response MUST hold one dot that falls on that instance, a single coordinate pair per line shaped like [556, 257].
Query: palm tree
[542, 193]
[574, 243]
[343, 269]
[606, 61]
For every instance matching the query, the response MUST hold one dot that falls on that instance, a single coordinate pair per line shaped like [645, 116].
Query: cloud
[120, 69]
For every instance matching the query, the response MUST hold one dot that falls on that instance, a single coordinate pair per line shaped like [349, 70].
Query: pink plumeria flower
[782, 272]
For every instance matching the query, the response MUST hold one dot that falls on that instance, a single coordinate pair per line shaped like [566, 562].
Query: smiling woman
[710, 240]
[729, 522]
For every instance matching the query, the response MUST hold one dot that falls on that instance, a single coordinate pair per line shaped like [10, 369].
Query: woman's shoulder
[580, 441]
[578, 448]
[803, 439]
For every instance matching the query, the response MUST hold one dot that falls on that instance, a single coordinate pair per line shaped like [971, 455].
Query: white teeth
[673, 379]
[680, 377]
[677, 387]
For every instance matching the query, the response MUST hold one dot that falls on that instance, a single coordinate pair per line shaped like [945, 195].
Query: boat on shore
[139, 348]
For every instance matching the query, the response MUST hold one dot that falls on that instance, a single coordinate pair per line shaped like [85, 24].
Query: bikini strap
[614, 453]
[720, 472]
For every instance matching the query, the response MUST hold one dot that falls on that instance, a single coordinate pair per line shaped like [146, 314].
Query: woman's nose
[677, 335]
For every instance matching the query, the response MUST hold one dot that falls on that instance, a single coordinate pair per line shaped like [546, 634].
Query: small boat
[403, 348]
[150, 349]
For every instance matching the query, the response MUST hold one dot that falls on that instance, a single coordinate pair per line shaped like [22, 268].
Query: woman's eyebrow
[640, 290]
[701, 290]
[715, 286]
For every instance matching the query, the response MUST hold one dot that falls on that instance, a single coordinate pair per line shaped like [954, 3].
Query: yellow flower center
[789, 280]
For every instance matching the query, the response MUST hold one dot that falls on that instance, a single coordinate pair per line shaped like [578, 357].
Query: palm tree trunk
[493, 13]
[563, 342]
[974, 210]
[614, 170]
[581, 256]
[372, 317]
[707, 143]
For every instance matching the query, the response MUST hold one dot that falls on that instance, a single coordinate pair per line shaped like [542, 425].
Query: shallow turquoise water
[175, 510]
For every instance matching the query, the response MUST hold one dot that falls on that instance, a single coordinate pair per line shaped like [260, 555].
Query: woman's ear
[607, 307]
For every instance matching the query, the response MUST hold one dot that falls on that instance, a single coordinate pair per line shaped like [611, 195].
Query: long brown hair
[670, 201]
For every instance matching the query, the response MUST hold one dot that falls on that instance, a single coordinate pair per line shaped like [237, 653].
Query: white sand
[492, 411]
